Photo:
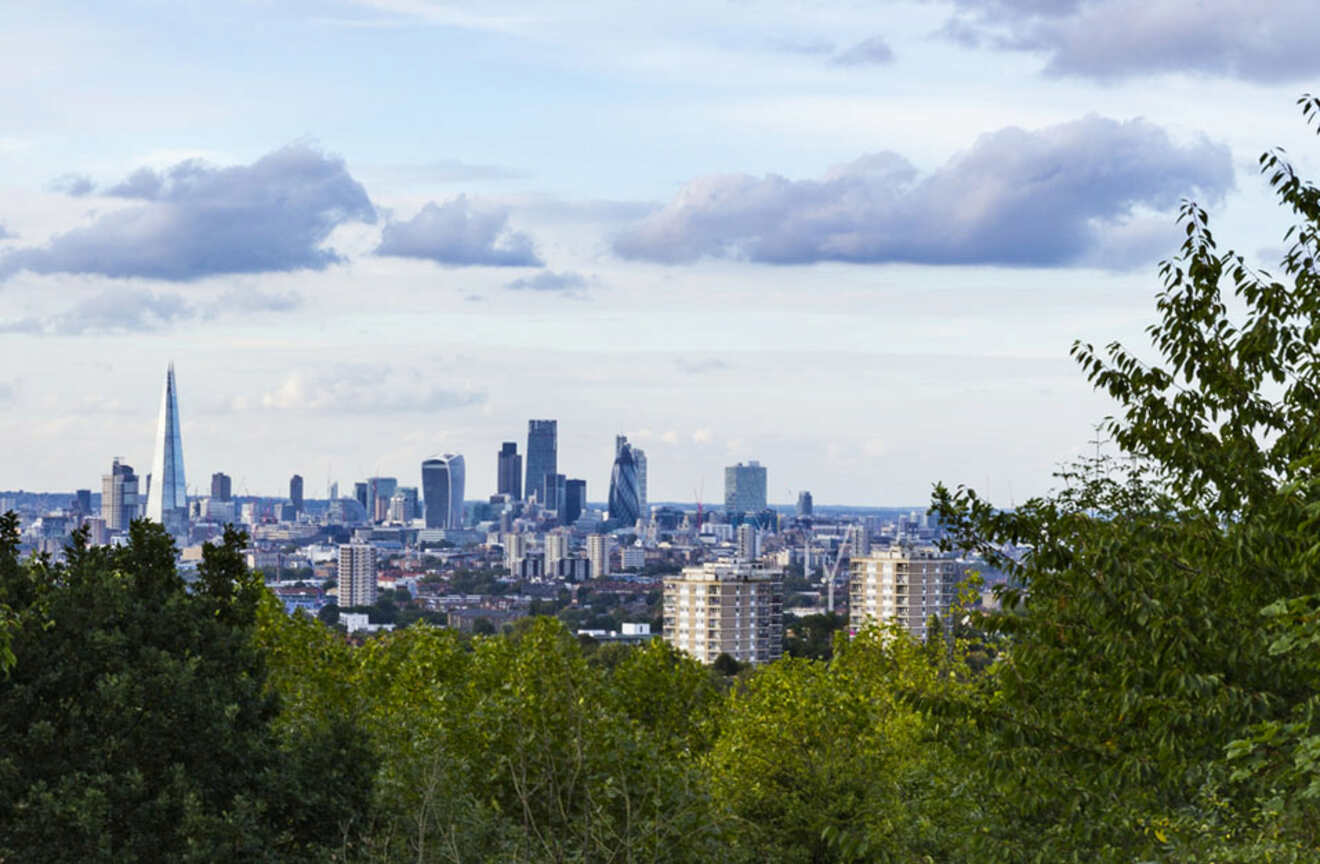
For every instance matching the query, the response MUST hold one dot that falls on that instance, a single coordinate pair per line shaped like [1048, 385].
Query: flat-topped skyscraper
[167, 499]
[542, 456]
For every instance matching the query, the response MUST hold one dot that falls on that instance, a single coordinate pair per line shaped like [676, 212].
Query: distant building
[639, 459]
[515, 547]
[82, 502]
[443, 479]
[555, 492]
[749, 542]
[556, 548]
[509, 471]
[360, 495]
[726, 607]
[598, 553]
[411, 506]
[625, 505]
[167, 495]
[97, 535]
[805, 504]
[222, 487]
[357, 574]
[744, 488]
[296, 492]
[859, 541]
[575, 501]
[542, 455]
[905, 585]
[632, 558]
[379, 492]
[119, 496]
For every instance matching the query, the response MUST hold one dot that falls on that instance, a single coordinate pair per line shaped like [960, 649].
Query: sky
[854, 241]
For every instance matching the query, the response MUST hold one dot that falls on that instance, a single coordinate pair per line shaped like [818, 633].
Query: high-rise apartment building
[296, 492]
[167, 495]
[744, 488]
[598, 554]
[357, 574]
[542, 456]
[901, 584]
[119, 496]
[515, 547]
[222, 487]
[726, 607]
[509, 471]
[443, 479]
[575, 501]
[556, 549]
[625, 504]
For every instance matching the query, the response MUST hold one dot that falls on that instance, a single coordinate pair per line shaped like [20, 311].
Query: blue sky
[851, 240]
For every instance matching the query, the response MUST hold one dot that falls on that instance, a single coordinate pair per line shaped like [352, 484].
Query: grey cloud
[868, 52]
[460, 233]
[77, 185]
[548, 281]
[116, 311]
[249, 299]
[367, 388]
[1047, 197]
[1272, 41]
[4, 234]
[145, 183]
[196, 220]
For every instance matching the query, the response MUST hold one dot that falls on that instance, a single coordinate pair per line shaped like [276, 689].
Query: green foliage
[1143, 707]
[135, 721]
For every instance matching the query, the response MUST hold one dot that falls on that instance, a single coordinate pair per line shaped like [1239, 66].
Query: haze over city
[854, 242]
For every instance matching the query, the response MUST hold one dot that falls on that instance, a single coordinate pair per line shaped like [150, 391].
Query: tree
[1136, 655]
[135, 718]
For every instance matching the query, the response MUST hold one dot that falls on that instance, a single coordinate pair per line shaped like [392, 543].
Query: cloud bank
[1249, 39]
[366, 388]
[1054, 196]
[196, 220]
[460, 233]
[549, 282]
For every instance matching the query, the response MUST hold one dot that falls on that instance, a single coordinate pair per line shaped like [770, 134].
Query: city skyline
[592, 275]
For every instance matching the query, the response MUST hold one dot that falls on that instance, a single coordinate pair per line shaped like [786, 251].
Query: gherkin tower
[167, 499]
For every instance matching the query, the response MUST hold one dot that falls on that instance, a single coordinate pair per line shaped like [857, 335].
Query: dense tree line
[1148, 691]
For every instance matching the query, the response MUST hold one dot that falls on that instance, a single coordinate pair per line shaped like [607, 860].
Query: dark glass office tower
[443, 478]
[296, 492]
[509, 474]
[575, 501]
[542, 456]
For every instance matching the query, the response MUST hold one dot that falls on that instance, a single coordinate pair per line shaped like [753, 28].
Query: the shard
[167, 498]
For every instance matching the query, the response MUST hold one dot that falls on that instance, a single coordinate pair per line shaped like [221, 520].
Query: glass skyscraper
[509, 477]
[744, 487]
[625, 498]
[542, 456]
[443, 478]
[167, 496]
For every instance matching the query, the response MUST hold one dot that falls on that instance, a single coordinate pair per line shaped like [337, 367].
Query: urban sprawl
[712, 581]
